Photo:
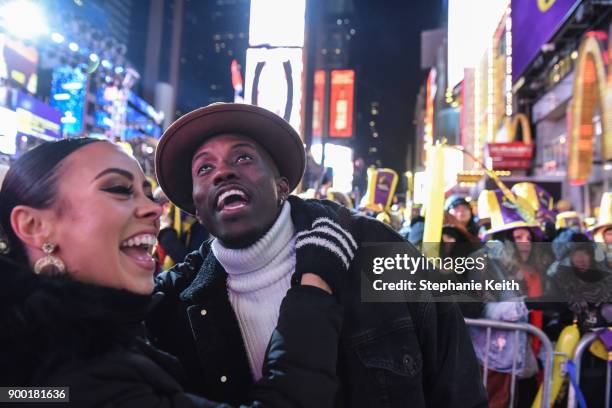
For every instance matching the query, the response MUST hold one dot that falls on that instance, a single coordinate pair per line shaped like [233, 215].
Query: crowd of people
[565, 273]
[212, 282]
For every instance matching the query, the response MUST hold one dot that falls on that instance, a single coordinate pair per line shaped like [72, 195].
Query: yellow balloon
[568, 339]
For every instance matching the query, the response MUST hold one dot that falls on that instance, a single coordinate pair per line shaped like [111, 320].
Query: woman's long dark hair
[32, 181]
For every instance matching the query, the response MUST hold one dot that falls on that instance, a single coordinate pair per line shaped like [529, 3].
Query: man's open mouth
[230, 200]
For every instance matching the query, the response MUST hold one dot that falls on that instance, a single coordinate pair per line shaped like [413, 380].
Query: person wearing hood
[78, 230]
[461, 210]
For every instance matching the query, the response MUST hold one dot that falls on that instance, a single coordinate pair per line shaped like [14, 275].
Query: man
[233, 166]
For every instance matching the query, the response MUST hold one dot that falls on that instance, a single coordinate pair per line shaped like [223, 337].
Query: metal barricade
[583, 345]
[516, 327]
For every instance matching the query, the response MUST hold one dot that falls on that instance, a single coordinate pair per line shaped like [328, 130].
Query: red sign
[507, 156]
[318, 103]
[341, 103]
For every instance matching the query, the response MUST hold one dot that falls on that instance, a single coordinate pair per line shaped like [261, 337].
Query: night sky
[386, 53]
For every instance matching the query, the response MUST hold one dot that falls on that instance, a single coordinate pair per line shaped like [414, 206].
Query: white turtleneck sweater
[259, 277]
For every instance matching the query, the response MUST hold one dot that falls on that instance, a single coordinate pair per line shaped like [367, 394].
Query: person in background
[602, 230]
[512, 254]
[178, 235]
[460, 209]
[580, 290]
[234, 166]
[77, 274]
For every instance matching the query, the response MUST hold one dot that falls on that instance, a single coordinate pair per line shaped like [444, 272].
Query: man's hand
[323, 247]
[311, 279]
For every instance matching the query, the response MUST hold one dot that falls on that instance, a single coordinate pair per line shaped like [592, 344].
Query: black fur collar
[46, 322]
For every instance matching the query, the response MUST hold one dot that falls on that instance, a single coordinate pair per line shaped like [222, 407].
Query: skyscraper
[214, 33]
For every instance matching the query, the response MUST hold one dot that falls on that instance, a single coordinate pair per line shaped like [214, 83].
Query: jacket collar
[211, 279]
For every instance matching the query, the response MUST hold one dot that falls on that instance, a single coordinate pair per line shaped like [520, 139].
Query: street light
[23, 19]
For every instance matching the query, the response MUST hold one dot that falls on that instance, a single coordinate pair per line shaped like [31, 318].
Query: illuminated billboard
[318, 103]
[277, 23]
[36, 118]
[8, 131]
[274, 81]
[18, 62]
[341, 103]
[533, 24]
[68, 91]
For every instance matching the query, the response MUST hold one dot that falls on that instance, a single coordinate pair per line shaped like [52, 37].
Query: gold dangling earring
[49, 261]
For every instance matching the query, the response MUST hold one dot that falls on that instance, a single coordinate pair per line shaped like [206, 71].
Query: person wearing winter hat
[234, 166]
[461, 209]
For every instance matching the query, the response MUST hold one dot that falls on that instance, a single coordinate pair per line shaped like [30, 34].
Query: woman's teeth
[145, 240]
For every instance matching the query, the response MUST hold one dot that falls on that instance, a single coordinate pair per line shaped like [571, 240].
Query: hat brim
[514, 225]
[598, 230]
[179, 142]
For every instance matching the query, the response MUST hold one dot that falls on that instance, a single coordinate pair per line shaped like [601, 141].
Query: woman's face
[102, 222]
[462, 213]
[607, 235]
[522, 239]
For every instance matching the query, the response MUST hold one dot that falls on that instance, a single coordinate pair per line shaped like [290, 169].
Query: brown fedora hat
[180, 141]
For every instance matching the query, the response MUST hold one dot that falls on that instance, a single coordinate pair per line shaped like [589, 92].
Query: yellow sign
[512, 125]
[589, 97]
[544, 5]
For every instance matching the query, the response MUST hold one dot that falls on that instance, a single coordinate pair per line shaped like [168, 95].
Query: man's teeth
[140, 240]
[228, 193]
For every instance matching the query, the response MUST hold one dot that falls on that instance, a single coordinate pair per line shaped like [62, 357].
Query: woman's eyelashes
[120, 190]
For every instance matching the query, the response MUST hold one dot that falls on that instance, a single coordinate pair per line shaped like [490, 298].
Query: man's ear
[282, 187]
[31, 225]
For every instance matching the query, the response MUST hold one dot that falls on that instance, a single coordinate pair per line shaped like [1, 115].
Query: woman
[513, 254]
[76, 212]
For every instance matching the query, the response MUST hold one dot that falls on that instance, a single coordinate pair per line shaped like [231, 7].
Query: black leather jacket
[390, 354]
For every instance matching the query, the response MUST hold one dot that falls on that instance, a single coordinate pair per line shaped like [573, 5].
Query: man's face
[236, 189]
[581, 260]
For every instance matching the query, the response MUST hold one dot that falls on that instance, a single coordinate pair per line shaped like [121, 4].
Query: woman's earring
[281, 201]
[49, 261]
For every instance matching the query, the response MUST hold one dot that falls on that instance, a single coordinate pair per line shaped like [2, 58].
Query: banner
[381, 188]
[510, 156]
[273, 80]
[534, 22]
[18, 62]
[341, 103]
[36, 118]
[318, 103]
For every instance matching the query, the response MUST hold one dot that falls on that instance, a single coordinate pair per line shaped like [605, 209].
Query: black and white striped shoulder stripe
[328, 234]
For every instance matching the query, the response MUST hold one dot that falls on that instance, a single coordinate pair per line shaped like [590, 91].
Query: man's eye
[204, 168]
[244, 157]
[122, 190]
